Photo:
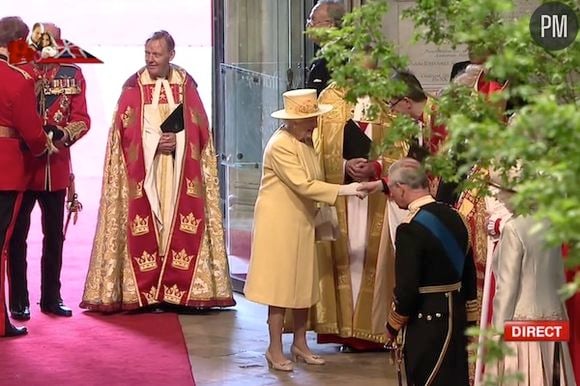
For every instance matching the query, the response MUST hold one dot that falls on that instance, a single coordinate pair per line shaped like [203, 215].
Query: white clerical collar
[146, 77]
[422, 201]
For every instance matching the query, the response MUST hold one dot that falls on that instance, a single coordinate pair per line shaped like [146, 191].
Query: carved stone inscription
[432, 64]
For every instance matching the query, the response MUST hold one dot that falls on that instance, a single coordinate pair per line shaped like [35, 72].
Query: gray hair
[163, 35]
[335, 10]
[408, 171]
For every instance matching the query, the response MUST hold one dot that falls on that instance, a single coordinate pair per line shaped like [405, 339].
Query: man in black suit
[435, 292]
[324, 14]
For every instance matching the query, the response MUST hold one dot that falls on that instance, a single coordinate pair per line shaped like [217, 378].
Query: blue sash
[448, 242]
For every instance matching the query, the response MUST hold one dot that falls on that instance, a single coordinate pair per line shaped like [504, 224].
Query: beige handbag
[326, 224]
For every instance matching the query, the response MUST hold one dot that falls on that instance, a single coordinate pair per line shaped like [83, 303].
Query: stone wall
[432, 64]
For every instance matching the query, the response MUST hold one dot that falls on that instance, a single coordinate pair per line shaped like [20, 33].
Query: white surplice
[161, 178]
[358, 216]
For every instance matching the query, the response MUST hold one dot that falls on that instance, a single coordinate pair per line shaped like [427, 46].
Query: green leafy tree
[544, 136]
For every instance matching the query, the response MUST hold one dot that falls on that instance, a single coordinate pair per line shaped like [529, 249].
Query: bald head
[12, 28]
[327, 13]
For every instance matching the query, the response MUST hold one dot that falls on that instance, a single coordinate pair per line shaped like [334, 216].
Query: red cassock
[61, 98]
[20, 134]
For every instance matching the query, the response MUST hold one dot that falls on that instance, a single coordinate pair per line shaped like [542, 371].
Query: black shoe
[20, 313]
[347, 349]
[57, 309]
[15, 331]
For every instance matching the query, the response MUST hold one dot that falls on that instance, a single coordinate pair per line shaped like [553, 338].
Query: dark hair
[163, 35]
[37, 25]
[50, 40]
[415, 91]
[12, 28]
[335, 10]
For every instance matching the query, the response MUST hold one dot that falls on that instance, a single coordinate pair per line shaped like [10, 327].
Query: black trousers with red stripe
[9, 203]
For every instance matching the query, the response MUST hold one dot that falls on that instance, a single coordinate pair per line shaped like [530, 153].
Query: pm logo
[554, 26]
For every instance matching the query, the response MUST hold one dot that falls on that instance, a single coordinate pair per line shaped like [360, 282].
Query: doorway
[260, 52]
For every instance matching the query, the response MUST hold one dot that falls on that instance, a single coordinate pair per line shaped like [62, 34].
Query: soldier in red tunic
[61, 103]
[20, 134]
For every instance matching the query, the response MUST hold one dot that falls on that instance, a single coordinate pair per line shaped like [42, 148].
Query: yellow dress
[283, 268]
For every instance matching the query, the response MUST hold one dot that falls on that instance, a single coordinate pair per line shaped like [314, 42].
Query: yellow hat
[300, 104]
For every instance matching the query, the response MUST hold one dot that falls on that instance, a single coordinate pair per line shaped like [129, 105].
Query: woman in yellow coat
[283, 270]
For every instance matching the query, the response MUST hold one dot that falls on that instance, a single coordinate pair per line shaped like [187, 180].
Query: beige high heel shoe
[309, 359]
[280, 366]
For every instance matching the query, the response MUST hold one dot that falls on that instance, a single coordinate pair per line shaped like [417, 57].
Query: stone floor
[227, 348]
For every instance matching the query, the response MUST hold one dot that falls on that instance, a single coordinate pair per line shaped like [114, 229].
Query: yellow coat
[283, 268]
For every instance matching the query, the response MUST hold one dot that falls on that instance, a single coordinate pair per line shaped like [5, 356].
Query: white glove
[351, 190]
[51, 149]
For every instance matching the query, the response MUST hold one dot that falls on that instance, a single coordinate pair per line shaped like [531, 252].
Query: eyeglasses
[313, 22]
[393, 104]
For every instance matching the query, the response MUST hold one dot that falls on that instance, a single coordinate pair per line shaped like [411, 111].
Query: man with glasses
[325, 14]
[416, 104]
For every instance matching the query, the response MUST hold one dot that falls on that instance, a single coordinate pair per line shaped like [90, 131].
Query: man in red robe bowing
[159, 238]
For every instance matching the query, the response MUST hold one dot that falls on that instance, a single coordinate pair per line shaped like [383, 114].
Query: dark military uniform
[20, 133]
[318, 76]
[435, 294]
[62, 104]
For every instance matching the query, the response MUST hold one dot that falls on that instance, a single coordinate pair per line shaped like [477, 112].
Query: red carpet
[90, 349]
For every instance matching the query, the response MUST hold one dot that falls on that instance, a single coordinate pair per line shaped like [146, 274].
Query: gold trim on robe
[336, 313]
[111, 283]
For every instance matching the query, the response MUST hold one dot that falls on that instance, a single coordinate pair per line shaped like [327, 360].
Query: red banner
[536, 331]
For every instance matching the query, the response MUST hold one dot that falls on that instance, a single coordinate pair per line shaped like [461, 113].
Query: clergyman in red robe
[159, 237]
